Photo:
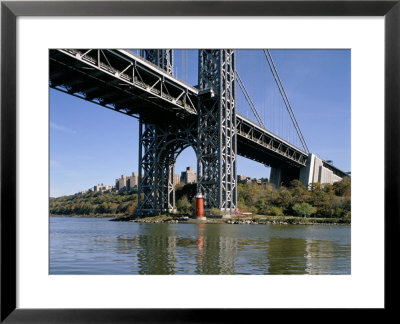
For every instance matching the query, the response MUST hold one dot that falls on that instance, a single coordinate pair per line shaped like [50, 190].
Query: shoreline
[252, 220]
[90, 216]
[263, 220]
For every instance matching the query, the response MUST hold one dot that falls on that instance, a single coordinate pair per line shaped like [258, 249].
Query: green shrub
[304, 209]
[275, 211]
[184, 206]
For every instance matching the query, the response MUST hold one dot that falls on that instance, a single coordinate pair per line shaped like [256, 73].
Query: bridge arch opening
[181, 164]
[159, 178]
[186, 174]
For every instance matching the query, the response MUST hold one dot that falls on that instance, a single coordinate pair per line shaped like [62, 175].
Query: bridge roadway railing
[257, 143]
[130, 81]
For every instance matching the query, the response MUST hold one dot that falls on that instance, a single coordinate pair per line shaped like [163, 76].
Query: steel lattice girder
[162, 144]
[217, 129]
[121, 81]
[163, 58]
[159, 146]
[147, 166]
[273, 147]
[155, 197]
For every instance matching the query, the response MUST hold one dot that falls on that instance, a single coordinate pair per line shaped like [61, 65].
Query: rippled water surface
[98, 246]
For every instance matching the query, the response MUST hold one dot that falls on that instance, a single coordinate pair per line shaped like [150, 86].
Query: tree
[284, 198]
[184, 206]
[260, 205]
[343, 188]
[249, 193]
[304, 209]
[189, 190]
[103, 208]
[299, 192]
[275, 211]
[323, 202]
[327, 200]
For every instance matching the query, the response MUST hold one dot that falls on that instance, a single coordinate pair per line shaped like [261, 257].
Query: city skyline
[86, 139]
[186, 177]
[131, 182]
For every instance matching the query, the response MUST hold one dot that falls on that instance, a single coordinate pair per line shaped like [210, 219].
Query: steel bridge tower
[163, 58]
[212, 136]
[216, 161]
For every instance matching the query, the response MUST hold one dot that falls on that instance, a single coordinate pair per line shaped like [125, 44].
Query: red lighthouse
[199, 206]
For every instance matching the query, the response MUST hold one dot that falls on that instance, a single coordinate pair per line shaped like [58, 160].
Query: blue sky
[90, 144]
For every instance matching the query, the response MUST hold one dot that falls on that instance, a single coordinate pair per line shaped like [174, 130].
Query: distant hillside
[95, 204]
[294, 200]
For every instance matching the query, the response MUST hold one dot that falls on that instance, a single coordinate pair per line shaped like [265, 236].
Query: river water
[98, 246]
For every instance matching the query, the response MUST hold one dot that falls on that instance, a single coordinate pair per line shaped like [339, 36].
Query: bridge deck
[124, 82]
[121, 81]
[257, 143]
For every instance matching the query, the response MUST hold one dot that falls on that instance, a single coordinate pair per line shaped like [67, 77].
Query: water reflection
[210, 249]
[156, 253]
[286, 256]
[216, 251]
[200, 246]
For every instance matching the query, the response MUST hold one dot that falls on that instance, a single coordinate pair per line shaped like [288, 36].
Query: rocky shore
[253, 220]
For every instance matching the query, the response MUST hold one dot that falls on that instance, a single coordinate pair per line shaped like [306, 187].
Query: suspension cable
[250, 102]
[284, 97]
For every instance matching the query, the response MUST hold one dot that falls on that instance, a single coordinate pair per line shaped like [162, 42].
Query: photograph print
[200, 161]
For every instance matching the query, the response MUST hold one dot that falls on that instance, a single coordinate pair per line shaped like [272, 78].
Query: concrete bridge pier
[307, 172]
[275, 177]
[318, 170]
[281, 176]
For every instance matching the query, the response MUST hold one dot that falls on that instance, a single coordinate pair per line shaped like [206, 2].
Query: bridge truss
[159, 145]
[217, 129]
[121, 81]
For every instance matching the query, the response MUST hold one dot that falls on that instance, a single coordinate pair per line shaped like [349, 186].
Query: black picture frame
[10, 10]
